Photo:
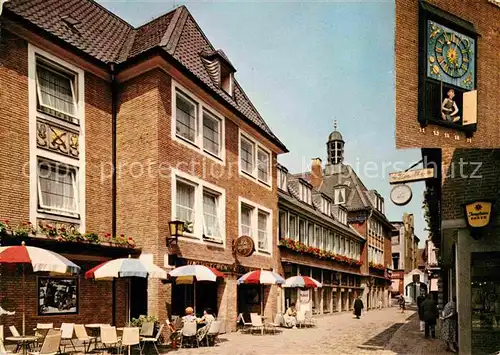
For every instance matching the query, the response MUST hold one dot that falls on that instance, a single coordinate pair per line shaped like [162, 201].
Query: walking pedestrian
[430, 314]
[358, 306]
[402, 303]
[449, 328]
[420, 299]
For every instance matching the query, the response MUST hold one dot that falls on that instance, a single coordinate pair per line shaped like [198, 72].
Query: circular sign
[244, 246]
[401, 194]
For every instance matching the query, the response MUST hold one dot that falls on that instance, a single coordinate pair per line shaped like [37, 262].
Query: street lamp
[176, 230]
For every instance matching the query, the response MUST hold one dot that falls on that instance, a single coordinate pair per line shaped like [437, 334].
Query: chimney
[316, 173]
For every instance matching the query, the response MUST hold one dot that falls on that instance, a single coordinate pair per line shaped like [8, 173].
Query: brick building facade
[467, 262]
[315, 240]
[160, 104]
[478, 19]
[366, 215]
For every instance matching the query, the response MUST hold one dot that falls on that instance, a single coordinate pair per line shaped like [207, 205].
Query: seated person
[206, 321]
[208, 317]
[290, 316]
[189, 317]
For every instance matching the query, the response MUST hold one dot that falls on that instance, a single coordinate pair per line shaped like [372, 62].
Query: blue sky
[304, 64]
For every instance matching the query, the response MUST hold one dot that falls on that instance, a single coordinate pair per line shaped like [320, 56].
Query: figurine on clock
[449, 109]
[450, 80]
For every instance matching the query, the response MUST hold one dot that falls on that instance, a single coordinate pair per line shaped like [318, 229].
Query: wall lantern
[478, 215]
[176, 230]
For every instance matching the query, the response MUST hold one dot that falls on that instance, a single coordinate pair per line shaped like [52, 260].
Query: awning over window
[434, 284]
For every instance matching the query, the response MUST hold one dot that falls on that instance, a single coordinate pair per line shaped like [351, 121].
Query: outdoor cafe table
[23, 341]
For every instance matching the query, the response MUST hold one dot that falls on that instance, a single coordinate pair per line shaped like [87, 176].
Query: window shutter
[470, 107]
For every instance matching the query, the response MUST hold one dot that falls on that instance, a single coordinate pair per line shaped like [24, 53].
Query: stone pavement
[334, 334]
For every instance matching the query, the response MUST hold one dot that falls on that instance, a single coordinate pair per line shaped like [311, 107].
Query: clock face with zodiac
[450, 56]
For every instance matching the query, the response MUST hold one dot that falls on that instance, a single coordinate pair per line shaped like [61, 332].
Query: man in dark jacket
[358, 306]
[429, 314]
[420, 299]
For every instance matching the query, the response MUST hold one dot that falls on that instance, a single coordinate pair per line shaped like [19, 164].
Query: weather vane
[334, 125]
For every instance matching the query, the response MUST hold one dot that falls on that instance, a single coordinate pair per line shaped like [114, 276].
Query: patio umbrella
[40, 260]
[302, 282]
[262, 277]
[126, 268]
[190, 274]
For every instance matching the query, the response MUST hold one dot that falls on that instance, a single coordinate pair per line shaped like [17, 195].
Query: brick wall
[483, 15]
[144, 203]
[14, 136]
[94, 300]
[467, 175]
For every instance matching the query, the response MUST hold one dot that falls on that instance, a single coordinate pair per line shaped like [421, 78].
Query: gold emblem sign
[478, 213]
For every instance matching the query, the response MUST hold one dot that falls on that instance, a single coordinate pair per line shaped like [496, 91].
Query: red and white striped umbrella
[262, 277]
[302, 282]
[40, 259]
[189, 273]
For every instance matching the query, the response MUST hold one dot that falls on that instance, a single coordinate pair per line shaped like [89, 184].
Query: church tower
[335, 150]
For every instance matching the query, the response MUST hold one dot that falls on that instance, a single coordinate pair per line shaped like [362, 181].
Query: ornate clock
[450, 56]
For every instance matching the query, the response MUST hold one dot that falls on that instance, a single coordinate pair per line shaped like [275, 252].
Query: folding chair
[189, 332]
[152, 340]
[50, 345]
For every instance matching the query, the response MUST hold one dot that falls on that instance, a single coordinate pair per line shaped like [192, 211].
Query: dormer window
[305, 193]
[220, 69]
[282, 179]
[325, 206]
[226, 79]
[339, 196]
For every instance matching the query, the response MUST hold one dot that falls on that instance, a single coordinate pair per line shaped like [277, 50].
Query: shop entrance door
[138, 297]
[183, 296]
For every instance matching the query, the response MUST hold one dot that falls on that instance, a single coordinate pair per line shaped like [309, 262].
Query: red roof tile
[91, 28]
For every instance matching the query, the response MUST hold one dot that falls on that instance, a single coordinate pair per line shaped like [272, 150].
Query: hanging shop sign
[411, 176]
[478, 215]
[447, 85]
[244, 246]
[401, 194]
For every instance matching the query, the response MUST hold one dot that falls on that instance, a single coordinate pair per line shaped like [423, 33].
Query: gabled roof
[358, 195]
[92, 29]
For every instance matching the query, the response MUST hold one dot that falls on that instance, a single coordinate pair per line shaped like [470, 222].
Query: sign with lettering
[478, 213]
[411, 176]
[304, 296]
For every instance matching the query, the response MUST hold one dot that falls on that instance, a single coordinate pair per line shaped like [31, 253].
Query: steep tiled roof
[91, 28]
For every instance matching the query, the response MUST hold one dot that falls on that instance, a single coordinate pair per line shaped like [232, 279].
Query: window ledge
[75, 217]
[197, 148]
[213, 240]
[255, 179]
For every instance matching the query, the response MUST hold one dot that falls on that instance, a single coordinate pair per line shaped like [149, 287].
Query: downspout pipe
[114, 110]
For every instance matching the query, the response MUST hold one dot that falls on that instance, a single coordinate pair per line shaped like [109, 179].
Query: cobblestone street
[336, 334]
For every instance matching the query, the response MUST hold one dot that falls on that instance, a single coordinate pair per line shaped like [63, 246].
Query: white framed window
[196, 125]
[185, 203]
[55, 87]
[247, 155]
[255, 160]
[305, 193]
[186, 118]
[317, 237]
[262, 225]
[211, 218]
[56, 95]
[293, 227]
[246, 220]
[283, 224]
[255, 222]
[310, 233]
[201, 206]
[263, 165]
[58, 188]
[325, 206]
[282, 180]
[339, 196]
[212, 134]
